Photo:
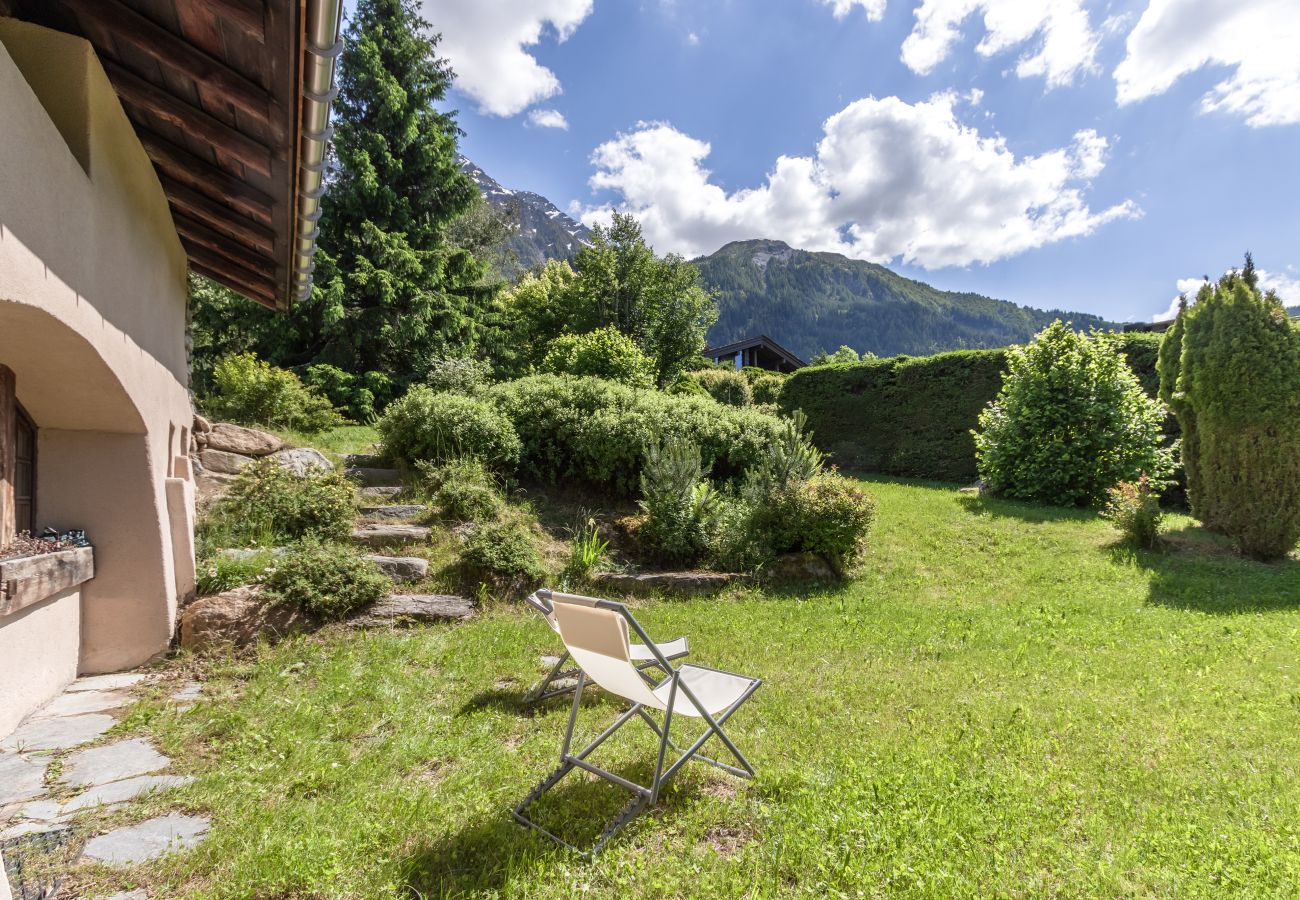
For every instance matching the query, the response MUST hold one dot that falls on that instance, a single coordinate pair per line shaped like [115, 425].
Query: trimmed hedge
[912, 416]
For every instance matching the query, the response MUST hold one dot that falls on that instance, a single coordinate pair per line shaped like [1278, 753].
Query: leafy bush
[913, 416]
[458, 374]
[267, 504]
[503, 552]
[597, 431]
[766, 386]
[1070, 422]
[679, 505]
[223, 573]
[251, 392]
[463, 489]
[324, 580]
[724, 385]
[603, 353]
[1236, 387]
[425, 425]
[1134, 508]
[828, 515]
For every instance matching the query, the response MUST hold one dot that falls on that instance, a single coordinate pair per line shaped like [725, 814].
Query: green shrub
[1070, 422]
[327, 581]
[1134, 508]
[724, 385]
[267, 504]
[679, 505]
[425, 425]
[586, 553]
[354, 393]
[766, 386]
[913, 416]
[463, 489]
[1236, 386]
[828, 515]
[603, 353]
[503, 553]
[597, 431]
[223, 573]
[251, 392]
[791, 457]
[458, 374]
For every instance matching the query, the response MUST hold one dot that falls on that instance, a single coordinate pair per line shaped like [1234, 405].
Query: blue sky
[1058, 153]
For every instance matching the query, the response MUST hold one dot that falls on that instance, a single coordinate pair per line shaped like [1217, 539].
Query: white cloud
[1066, 43]
[1287, 288]
[548, 118]
[487, 43]
[692, 38]
[875, 9]
[1258, 39]
[888, 180]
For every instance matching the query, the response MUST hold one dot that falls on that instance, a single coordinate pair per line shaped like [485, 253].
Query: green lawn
[1002, 704]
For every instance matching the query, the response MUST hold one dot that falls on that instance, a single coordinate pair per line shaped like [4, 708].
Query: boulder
[400, 568]
[211, 484]
[238, 618]
[800, 567]
[301, 460]
[201, 425]
[403, 609]
[669, 582]
[374, 477]
[390, 535]
[394, 513]
[241, 440]
[223, 462]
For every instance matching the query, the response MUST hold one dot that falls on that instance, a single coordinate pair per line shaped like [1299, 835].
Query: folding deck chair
[595, 632]
[642, 654]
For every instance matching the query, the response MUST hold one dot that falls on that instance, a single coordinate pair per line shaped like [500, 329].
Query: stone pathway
[48, 776]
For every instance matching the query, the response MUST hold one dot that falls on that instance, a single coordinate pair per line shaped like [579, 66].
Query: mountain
[817, 301]
[544, 231]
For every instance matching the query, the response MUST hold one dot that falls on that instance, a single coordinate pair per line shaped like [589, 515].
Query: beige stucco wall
[92, 321]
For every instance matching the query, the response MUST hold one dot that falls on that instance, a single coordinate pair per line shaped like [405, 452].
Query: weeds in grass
[586, 552]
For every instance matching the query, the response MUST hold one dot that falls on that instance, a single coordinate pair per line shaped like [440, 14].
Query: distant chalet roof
[761, 340]
[230, 99]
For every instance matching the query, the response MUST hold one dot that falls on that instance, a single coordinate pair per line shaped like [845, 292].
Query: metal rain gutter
[323, 46]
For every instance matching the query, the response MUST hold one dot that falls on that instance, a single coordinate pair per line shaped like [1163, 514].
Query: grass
[336, 442]
[1003, 703]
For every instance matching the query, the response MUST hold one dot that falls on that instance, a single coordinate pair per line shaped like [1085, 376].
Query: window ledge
[28, 580]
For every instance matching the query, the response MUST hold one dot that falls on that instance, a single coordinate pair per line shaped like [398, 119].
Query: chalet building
[139, 139]
[761, 351]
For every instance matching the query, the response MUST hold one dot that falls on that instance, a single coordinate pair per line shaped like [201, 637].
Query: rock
[25, 828]
[670, 582]
[201, 425]
[22, 777]
[381, 492]
[401, 609]
[79, 702]
[390, 535]
[223, 462]
[113, 792]
[400, 568]
[301, 460]
[237, 618]
[113, 762]
[111, 682]
[199, 440]
[241, 440]
[394, 513]
[148, 840]
[801, 567]
[192, 690]
[209, 484]
[242, 553]
[58, 734]
[374, 477]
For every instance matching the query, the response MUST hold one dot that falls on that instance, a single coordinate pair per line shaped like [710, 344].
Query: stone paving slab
[192, 690]
[104, 794]
[113, 682]
[58, 734]
[113, 762]
[78, 702]
[21, 778]
[147, 840]
[25, 828]
[129, 895]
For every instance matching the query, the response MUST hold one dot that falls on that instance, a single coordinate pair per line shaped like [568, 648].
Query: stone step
[380, 493]
[362, 460]
[386, 535]
[400, 568]
[371, 477]
[400, 609]
[395, 512]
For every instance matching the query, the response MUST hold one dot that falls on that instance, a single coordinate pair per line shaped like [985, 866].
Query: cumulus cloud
[888, 180]
[487, 43]
[875, 9]
[1287, 288]
[1258, 39]
[1066, 45]
[548, 118]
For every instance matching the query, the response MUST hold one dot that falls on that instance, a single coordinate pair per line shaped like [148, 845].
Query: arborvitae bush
[1070, 422]
[1236, 388]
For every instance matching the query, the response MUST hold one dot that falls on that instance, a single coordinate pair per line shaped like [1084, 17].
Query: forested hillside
[818, 301]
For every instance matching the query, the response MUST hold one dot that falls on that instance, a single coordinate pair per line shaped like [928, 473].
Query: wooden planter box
[31, 579]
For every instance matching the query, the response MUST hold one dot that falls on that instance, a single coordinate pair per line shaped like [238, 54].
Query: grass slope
[1003, 704]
